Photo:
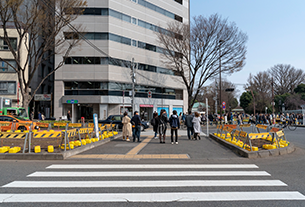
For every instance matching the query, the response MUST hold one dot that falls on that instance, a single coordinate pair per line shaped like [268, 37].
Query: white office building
[92, 82]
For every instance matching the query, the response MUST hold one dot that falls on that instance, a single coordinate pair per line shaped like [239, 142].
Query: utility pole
[215, 98]
[133, 78]
[272, 97]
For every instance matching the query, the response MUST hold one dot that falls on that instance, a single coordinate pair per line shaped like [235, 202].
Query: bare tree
[40, 25]
[260, 85]
[195, 52]
[286, 78]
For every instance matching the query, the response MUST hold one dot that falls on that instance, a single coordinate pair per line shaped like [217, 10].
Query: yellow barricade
[13, 135]
[46, 134]
[44, 125]
[78, 125]
[236, 133]
[59, 124]
[259, 135]
[91, 125]
[260, 126]
[243, 134]
[71, 133]
[85, 130]
[280, 134]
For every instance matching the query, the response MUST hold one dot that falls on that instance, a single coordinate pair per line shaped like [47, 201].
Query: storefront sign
[146, 106]
[72, 101]
[42, 97]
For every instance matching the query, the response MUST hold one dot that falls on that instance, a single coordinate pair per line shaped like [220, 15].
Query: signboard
[42, 97]
[223, 103]
[95, 122]
[224, 107]
[7, 102]
[146, 106]
[72, 101]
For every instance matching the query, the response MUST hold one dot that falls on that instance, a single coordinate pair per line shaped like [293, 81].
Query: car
[117, 119]
[21, 123]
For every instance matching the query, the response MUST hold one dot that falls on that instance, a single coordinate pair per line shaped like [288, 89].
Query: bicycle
[290, 124]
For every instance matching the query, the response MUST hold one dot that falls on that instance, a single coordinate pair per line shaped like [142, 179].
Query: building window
[134, 43]
[7, 88]
[4, 45]
[134, 20]
[179, 1]
[6, 68]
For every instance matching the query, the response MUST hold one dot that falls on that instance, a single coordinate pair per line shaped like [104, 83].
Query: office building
[93, 82]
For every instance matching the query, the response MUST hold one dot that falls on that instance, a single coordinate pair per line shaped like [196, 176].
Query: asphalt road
[269, 180]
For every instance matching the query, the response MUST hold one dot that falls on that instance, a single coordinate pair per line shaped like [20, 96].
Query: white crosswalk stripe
[171, 176]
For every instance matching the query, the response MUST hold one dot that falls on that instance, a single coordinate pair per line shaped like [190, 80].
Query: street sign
[223, 106]
[149, 93]
[72, 101]
[223, 103]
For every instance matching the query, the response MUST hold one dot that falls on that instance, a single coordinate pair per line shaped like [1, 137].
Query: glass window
[4, 67]
[126, 41]
[134, 20]
[104, 12]
[101, 36]
[115, 14]
[126, 18]
[76, 60]
[89, 36]
[4, 45]
[7, 87]
[134, 43]
[115, 38]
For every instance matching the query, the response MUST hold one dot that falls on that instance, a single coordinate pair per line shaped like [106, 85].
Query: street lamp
[248, 89]
[220, 105]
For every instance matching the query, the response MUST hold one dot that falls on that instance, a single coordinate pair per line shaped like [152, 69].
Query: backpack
[174, 122]
[153, 121]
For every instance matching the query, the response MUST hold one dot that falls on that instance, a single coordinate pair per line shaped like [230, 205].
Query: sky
[275, 29]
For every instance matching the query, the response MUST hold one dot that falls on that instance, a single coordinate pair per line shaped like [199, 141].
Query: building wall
[98, 23]
[12, 76]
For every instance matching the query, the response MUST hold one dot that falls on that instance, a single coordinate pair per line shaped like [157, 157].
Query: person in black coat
[162, 125]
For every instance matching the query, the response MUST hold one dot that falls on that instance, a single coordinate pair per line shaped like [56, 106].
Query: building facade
[98, 80]
[9, 83]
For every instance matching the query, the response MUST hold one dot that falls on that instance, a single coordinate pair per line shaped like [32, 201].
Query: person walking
[162, 122]
[136, 130]
[189, 124]
[39, 116]
[154, 123]
[196, 125]
[127, 127]
[175, 125]
[69, 116]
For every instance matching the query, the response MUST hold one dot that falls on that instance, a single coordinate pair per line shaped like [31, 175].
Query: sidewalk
[151, 148]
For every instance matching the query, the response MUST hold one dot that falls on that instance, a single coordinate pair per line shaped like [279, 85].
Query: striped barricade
[43, 125]
[260, 126]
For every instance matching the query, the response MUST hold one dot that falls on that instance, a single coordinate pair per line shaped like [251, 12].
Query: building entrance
[146, 112]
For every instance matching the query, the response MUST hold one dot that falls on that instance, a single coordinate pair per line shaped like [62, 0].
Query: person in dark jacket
[155, 124]
[136, 126]
[162, 122]
[189, 124]
[175, 125]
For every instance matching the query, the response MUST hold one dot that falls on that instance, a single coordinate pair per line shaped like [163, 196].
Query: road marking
[148, 173]
[141, 184]
[140, 146]
[131, 156]
[162, 166]
[151, 197]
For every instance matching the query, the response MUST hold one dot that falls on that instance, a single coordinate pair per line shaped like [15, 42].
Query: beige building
[93, 82]
[9, 84]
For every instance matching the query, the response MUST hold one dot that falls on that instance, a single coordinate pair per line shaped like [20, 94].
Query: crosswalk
[192, 183]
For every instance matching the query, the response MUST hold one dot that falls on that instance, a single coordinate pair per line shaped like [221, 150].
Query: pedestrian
[175, 125]
[39, 116]
[196, 125]
[136, 126]
[69, 116]
[42, 117]
[154, 123]
[127, 127]
[162, 125]
[189, 124]
[32, 115]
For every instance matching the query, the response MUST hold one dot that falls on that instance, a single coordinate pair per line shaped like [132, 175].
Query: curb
[55, 156]
[256, 154]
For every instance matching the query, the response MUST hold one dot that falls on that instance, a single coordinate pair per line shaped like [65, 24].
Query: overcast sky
[275, 28]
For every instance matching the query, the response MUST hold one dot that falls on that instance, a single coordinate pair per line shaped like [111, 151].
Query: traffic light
[149, 93]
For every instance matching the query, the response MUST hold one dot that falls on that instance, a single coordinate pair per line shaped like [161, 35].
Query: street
[192, 173]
